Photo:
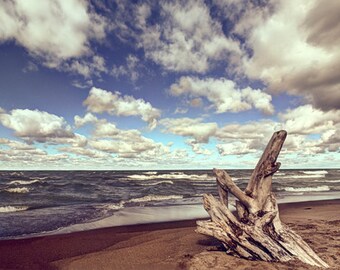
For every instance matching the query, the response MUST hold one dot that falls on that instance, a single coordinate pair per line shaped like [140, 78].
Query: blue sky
[168, 84]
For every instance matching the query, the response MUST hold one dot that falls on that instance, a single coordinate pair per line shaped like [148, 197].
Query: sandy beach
[170, 245]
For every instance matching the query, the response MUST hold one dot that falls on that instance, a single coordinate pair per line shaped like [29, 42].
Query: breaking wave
[18, 190]
[114, 206]
[22, 182]
[306, 189]
[150, 173]
[150, 198]
[8, 209]
[280, 174]
[180, 176]
[158, 183]
[315, 172]
[303, 176]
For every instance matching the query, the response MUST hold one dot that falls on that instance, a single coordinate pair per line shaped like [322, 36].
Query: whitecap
[306, 189]
[179, 176]
[150, 173]
[158, 183]
[302, 176]
[280, 174]
[22, 182]
[114, 206]
[150, 198]
[8, 209]
[18, 190]
[315, 172]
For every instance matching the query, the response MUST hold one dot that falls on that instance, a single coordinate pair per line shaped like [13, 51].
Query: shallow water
[35, 202]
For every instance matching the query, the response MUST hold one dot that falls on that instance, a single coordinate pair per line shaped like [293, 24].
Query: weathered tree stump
[256, 232]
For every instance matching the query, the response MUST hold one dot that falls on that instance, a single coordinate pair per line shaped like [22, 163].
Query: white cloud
[181, 110]
[35, 125]
[106, 137]
[235, 148]
[94, 65]
[123, 148]
[53, 31]
[84, 152]
[16, 145]
[100, 101]
[131, 69]
[188, 127]
[251, 130]
[82, 84]
[308, 120]
[197, 148]
[17, 154]
[88, 118]
[295, 50]
[185, 37]
[30, 67]
[223, 94]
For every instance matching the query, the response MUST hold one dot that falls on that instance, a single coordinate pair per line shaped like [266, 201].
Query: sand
[171, 245]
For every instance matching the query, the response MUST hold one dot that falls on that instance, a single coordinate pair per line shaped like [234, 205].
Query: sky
[142, 85]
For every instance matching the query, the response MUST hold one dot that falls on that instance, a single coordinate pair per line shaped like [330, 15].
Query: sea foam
[157, 183]
[315, 172]
[22, 182]
[179, 176]
[18, 190]
[150, 198]
[306, 189]
[8, 209]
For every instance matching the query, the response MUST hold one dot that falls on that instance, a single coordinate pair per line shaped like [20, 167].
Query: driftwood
[256, 231]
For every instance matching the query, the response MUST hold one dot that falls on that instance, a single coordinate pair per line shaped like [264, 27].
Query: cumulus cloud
[223, 94]
[51, 30]
[188, 127]
[235, 148]
[88, 67]
[295, 49]
[100, 101]
[308, 120]
[16, 154]
[197, 148]
[251, 130]
[35, 125]
[92, 153]
[130, 69]
[108, 138]
[16, 145]
[185, 37]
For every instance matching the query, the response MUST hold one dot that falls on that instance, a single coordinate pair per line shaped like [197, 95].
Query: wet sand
[170, 245]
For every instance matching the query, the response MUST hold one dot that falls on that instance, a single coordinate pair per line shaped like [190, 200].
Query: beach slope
[170, 245]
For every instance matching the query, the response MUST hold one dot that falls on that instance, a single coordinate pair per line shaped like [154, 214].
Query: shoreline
[161, 214]
[166, 245]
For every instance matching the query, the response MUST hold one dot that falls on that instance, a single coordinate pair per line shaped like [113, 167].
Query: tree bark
[256, 232]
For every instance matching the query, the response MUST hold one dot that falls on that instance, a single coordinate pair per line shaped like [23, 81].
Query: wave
[150, 173]
[16, 173]
[306, 189]
[315, 172]
[279, 174]
[8, 209]
[158, 183]
[18, 190]
[302, 176]
[22, 182]
[114, 206]
[208, 184]
[332, 181]
[179, 176]
[150, 198]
